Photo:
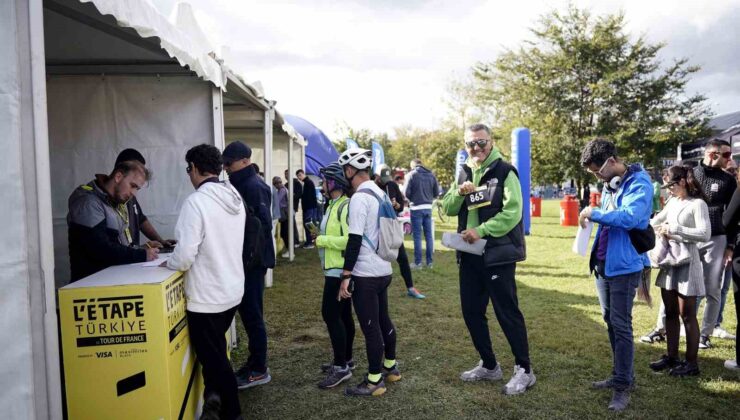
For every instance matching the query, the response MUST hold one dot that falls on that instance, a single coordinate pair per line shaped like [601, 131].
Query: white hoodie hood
[224, 194]
[210, 235]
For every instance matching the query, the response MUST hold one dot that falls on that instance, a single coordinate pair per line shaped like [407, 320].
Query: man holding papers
[487, 199]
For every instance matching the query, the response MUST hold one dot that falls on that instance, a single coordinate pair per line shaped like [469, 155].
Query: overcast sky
[379, 64]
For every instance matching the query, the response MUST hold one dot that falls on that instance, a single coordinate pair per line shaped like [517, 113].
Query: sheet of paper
[455, 241]
[157, 262]
[580, 244]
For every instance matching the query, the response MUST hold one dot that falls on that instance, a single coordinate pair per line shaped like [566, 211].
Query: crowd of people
[224, 245]
[691, 241]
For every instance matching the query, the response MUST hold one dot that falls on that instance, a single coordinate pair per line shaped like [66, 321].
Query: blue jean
[422, 219]
[616, 296]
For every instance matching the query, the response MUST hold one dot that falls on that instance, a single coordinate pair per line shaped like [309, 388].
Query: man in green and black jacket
[487, 198]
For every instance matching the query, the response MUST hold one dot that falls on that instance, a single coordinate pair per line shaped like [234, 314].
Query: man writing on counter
[98, 221]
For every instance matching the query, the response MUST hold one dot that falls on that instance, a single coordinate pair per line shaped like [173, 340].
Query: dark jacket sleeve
[297, 193]
[354, 242]
[394, 191]
[91, 237]
[731, 218]
[97, 243]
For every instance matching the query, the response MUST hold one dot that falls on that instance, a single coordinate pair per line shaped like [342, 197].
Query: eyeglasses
[189, 169]
[481, 143]
[725, 155]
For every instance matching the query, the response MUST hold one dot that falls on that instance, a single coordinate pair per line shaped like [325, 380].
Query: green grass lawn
[567, 337]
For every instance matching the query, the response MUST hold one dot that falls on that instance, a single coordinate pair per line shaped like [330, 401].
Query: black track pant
[479, 285]
[403, 264]
[208, 337]
[371, 306]
[339, 321]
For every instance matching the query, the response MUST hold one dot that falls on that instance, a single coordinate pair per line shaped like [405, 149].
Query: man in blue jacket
[257, 195]
[626, 205]
[422, 189]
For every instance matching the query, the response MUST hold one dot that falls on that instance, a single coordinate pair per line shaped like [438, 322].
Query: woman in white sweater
[683, 222]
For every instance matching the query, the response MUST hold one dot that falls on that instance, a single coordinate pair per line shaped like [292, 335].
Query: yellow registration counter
[126, 347]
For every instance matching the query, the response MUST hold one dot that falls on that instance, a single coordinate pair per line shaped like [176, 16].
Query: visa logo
[102, 354]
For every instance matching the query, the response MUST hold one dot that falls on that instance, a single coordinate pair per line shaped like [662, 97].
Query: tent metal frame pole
[291, 212]
[269, 116]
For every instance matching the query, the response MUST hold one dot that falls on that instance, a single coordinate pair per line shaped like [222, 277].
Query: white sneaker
[520, 381]
[286, 254]
[732, 365]
[414, 266]
[720, 332]
[479, 373]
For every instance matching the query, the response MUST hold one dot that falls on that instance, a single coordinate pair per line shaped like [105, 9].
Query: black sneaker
[609, 384]
[664, 363]
[655, 336]
[335, 376]
[392, 374]
[211, 408]
[252, 379]
[685, 369]
[704, 342]
[366, 389]
[326, 366]
[620, 400]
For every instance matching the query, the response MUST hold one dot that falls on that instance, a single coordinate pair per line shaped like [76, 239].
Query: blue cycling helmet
[335, 172]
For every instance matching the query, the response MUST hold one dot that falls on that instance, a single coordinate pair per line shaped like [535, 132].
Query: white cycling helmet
[356, 157]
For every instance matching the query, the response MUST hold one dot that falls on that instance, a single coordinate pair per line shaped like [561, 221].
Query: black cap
[235, 151]
[130, 154]
[385, 174]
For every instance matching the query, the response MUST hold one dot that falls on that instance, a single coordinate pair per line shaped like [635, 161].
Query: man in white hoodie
[210, 233]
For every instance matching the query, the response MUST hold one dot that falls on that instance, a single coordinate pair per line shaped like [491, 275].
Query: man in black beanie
[138, 222]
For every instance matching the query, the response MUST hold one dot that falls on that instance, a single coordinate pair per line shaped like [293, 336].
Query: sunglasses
[669, 184]
[725, 155]
[481, 143]
[599, 172]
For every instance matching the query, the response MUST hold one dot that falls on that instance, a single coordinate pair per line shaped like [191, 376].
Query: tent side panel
[93, 118]
[28, 324]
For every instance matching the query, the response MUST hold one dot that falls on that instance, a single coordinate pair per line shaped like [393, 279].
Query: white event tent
[80, 80]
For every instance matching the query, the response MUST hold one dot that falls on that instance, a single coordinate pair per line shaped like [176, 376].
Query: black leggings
[371, 305]
[403, 264]
[338, 318]
[676, 306]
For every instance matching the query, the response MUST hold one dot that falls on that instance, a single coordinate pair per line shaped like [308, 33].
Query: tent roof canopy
[132, 37]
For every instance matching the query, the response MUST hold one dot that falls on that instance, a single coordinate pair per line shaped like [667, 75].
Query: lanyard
[122, 211]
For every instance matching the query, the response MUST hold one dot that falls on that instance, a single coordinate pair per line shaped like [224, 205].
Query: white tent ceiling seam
[142, 17]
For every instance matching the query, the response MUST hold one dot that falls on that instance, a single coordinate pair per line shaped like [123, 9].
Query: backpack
[390, 229]
[253, 240]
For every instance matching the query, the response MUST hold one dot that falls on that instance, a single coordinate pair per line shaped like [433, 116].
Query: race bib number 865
[481, 197]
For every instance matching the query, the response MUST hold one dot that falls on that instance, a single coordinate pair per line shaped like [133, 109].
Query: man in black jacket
[257, 195]
[98, 222]
[397, 199]
[297, 193]
[138, 222]
[309, 206]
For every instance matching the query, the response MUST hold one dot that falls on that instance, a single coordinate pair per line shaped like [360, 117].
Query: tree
[583, 77]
